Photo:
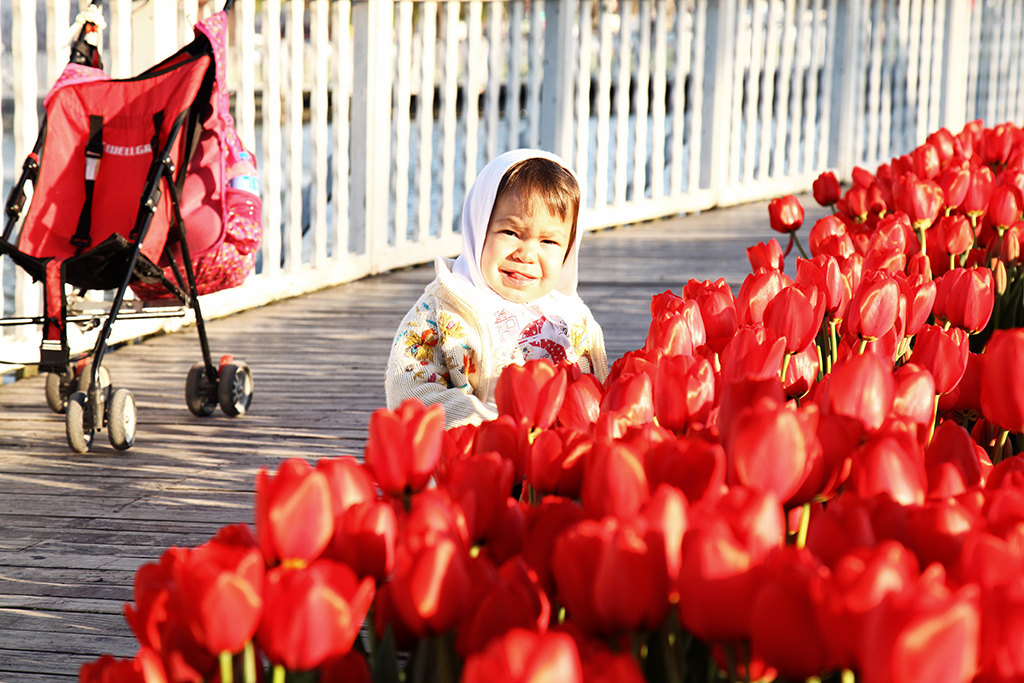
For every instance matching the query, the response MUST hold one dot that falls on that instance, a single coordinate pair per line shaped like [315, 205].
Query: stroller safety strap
[93, 154]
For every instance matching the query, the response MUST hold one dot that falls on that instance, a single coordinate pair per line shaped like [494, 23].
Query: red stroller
[119, 169]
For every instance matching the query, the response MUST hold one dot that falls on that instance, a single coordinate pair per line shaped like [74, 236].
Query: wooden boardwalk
[74, 528]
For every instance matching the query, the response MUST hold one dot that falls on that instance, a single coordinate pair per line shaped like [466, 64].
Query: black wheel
[58, 388]
[121, 419]
[234, 388]
[85, 377]
[79, 438]
[200, 395]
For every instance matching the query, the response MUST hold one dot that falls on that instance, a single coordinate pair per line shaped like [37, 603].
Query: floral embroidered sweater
[445, 353]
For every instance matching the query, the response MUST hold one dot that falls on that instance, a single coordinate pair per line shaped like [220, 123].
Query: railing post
[558, 89]
[846, 113]
[372, 25]
[719, 65]
[154, 33]
[957, 57]
[24, 47]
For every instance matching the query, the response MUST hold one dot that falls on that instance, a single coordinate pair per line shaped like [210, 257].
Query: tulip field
[814, 477]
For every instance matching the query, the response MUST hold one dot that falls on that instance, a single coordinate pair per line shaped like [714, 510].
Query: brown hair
[548, 181]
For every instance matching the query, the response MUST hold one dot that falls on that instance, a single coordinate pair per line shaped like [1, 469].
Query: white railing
[369, 118]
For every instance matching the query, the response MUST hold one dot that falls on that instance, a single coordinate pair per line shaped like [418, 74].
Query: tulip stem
[798, 245]
[249, 663]
[227, 671]
[863, 345]
[279, 673]
[997, 457]
[785, 365]
[371, 634]
[833, 325]
[848, 676]
[935, 418]
[805, 522]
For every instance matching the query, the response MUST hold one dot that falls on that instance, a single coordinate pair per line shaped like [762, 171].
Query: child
[510, 297]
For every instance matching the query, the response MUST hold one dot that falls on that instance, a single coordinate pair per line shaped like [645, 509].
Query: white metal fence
[369, 118]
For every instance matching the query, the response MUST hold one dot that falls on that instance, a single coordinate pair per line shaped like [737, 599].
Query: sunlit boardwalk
[74, 528]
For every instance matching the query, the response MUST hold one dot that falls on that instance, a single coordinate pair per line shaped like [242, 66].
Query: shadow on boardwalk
[74, 528]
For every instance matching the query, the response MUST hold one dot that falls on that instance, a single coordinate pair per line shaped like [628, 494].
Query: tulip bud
[826, 189]
[1004, 207]
[766, 255]
[785, 214]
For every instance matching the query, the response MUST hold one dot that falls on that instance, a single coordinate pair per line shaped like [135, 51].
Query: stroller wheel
[121, 419]
[85, 377]
[234, 388]
[58, 388]
[74, 424]
[200, 395]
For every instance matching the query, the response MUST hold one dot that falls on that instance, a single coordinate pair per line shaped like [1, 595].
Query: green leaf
[385, 662]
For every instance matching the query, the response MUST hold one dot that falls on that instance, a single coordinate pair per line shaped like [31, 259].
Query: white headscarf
[476, 214]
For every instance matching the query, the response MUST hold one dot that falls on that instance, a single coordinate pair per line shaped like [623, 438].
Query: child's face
[524, 249]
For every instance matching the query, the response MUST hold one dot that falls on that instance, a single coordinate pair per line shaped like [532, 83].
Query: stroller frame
[79, 384]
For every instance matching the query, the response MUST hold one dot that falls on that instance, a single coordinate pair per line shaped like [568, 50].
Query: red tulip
[348, 482]
[601, 665]
[404, 446]
[555, 465]
[667, 518]
[160, 623]
[925, 633]
[995, 144]
[1002, 380]
[785, 214]
[885, 464]
[364, 538]
[874, 307]
[919, 293]
[826, 189]
[944, 143]
[294, 516]
[955, 234]
[964, 297]
[944, 353]
[796, 314]
[717, 309]
[802, 372]
[614, 482]
[855, 203]
[479, 485]
[582, 404]
[756, 291]
[979, 190]
[313, 614]
[841, 528]
[553, 516]
[721, 555]
[823, 272]
[594, 564]
[1004, 207]
[829, 235]
[679, 331]
[145, 667]
[684, 392]
[514, 599]
[773, 447]
[1002, 632]
[432, 513]
[510, 439]
[955, 182]
[632, 396]
[694, 466]
[915, 395]
[431, 585]
[888, 245]
[926, 161]
[858, 584]
[531, 393]
[862, 387]
[921, 200]
[784, 628]
[766, 255]
[522, 656]
[222, 591]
